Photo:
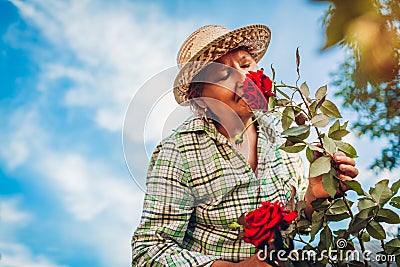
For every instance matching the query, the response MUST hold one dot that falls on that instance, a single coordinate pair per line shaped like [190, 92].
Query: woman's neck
[231, 127]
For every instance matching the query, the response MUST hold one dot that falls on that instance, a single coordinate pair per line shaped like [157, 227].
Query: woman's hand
[346, 172]
[253, 261]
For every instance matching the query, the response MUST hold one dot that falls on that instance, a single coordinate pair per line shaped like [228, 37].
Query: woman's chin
[245, 111]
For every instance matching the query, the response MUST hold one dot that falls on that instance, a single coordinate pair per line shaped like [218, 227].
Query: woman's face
[224, 83]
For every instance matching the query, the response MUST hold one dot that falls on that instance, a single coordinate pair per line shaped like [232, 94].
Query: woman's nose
[240, 77]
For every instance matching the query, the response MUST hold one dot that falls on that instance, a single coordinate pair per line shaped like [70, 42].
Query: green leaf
[309, 154]
[360, 220]
[338, 207]
[348, 149]
[321, 92]
[365, 203]
[316, 223]
[366, 213]
[338, 134]
[271, 103]
[287, 117]
[315, 148]
[304, 89]
[325, 240]
[376, 230]
[338, 211]
[320, 120]
[340, 233]
[294, 139]
[320, 166]
[381, 193]
[338, 217]
[300, 205]
[297, 130]
[294, 148]
[303, 225]
[313, 108]
[320, 204]
[392, 245]
[304, 135]
[395, 202]
[329, 145]
[387, 216]
[395, 187]
[330, 109]
[357, 224]
[330, 184]
[355, 186]
[282, 102]
[334, 127]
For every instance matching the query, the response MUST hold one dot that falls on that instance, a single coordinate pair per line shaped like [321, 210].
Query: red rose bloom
[261, 224]
[257, 88]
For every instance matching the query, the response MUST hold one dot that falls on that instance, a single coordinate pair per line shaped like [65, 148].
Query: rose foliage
[362, 219]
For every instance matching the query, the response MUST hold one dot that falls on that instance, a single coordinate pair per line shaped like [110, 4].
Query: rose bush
[363, 222]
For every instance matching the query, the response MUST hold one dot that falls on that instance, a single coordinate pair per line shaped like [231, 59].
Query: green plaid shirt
[198, 184]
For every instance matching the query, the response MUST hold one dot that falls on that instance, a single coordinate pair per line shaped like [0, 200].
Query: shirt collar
[268, 127]
[199, 124]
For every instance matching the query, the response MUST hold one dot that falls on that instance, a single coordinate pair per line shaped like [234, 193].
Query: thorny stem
[346, 202]
[352, 217]
[253, 121]
[362, 249]
[308, 108]
[383, 247]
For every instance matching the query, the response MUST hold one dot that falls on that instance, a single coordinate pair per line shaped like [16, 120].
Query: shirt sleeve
[168, 205]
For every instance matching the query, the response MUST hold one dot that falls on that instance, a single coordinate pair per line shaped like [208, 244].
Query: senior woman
[199, 181]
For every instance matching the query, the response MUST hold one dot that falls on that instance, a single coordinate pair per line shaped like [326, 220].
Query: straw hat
[211, 42]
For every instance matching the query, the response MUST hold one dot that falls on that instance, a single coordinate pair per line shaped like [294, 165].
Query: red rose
[261, 224]
[257, 88]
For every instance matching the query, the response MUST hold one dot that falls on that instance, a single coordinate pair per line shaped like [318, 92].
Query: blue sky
[68, 71]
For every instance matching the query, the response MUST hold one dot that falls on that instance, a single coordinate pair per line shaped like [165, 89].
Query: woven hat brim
[255, 38]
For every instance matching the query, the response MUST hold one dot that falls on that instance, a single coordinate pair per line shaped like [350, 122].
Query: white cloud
[108, 51]
[105, 52]
[101, 203]
[17, 255]
[10, 212]
[13, 218]
[18, 130]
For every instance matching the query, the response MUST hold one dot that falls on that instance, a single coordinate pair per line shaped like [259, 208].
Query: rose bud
[301, 119]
